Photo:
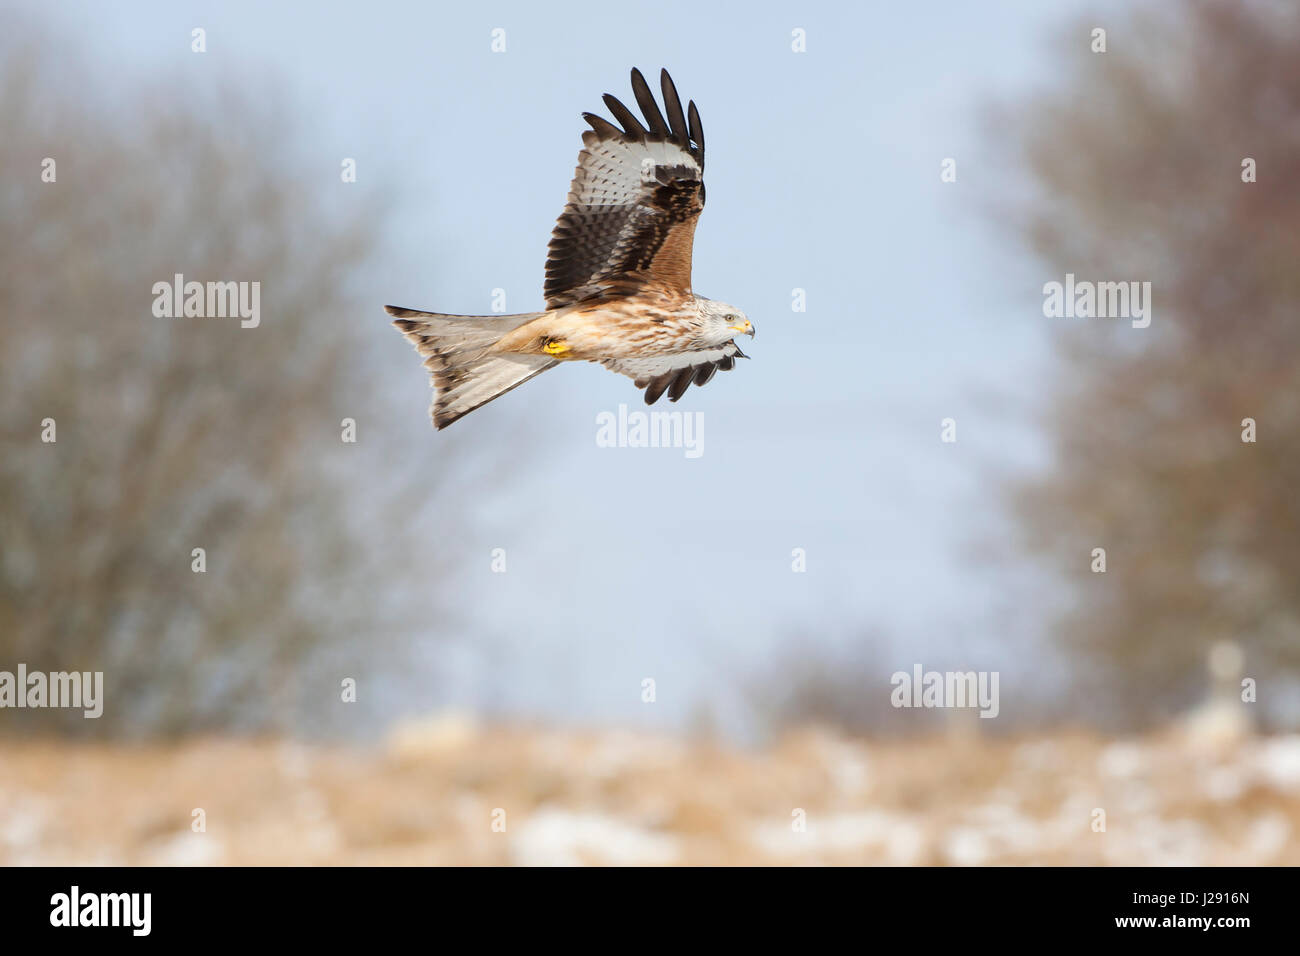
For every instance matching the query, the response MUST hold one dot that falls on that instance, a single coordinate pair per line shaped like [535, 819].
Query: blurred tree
[846, 684]
[183, 433]
[1135, 172]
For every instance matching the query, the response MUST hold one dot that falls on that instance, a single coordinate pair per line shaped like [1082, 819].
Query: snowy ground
[449, 791]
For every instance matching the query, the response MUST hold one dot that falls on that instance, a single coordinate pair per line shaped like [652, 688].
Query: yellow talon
[555, 347]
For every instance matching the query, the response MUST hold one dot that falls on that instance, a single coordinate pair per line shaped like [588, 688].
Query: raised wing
[675, 373]
[634, 201]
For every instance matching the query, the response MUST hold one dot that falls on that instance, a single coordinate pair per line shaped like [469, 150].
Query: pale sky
[823, 174]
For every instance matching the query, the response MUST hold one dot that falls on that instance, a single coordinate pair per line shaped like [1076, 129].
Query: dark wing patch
[634, 201]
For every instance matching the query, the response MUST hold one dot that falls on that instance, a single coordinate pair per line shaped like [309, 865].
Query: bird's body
[618, 276]
[652, 321]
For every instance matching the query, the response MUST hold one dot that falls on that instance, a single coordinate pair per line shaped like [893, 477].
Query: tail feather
[458, 352]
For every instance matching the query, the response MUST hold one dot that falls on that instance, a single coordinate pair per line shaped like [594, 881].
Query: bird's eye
[731, 318]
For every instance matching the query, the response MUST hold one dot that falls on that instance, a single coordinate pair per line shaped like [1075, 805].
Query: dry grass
[428, 797]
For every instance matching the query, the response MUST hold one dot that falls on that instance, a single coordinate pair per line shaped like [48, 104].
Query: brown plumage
[618, 274]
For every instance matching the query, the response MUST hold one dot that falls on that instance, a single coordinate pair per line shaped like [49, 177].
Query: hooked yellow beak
[747, 327]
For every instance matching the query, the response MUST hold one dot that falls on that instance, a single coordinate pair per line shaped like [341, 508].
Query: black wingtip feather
[656, 387]
[680, 384]
[603, 127]
[645, 99]
[631, 125]
[697, 130]
[683, 129]
[673, 103]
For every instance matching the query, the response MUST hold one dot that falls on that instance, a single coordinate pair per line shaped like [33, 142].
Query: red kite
[618, 275]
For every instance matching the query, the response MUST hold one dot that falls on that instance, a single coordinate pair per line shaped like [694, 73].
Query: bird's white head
[723, 322]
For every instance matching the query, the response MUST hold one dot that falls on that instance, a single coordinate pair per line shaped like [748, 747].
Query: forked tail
[458, 352]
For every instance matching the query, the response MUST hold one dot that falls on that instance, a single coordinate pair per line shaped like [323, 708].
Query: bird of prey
[618, 275]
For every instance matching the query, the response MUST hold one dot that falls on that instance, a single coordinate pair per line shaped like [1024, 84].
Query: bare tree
[1140, 168]
[176, 434]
